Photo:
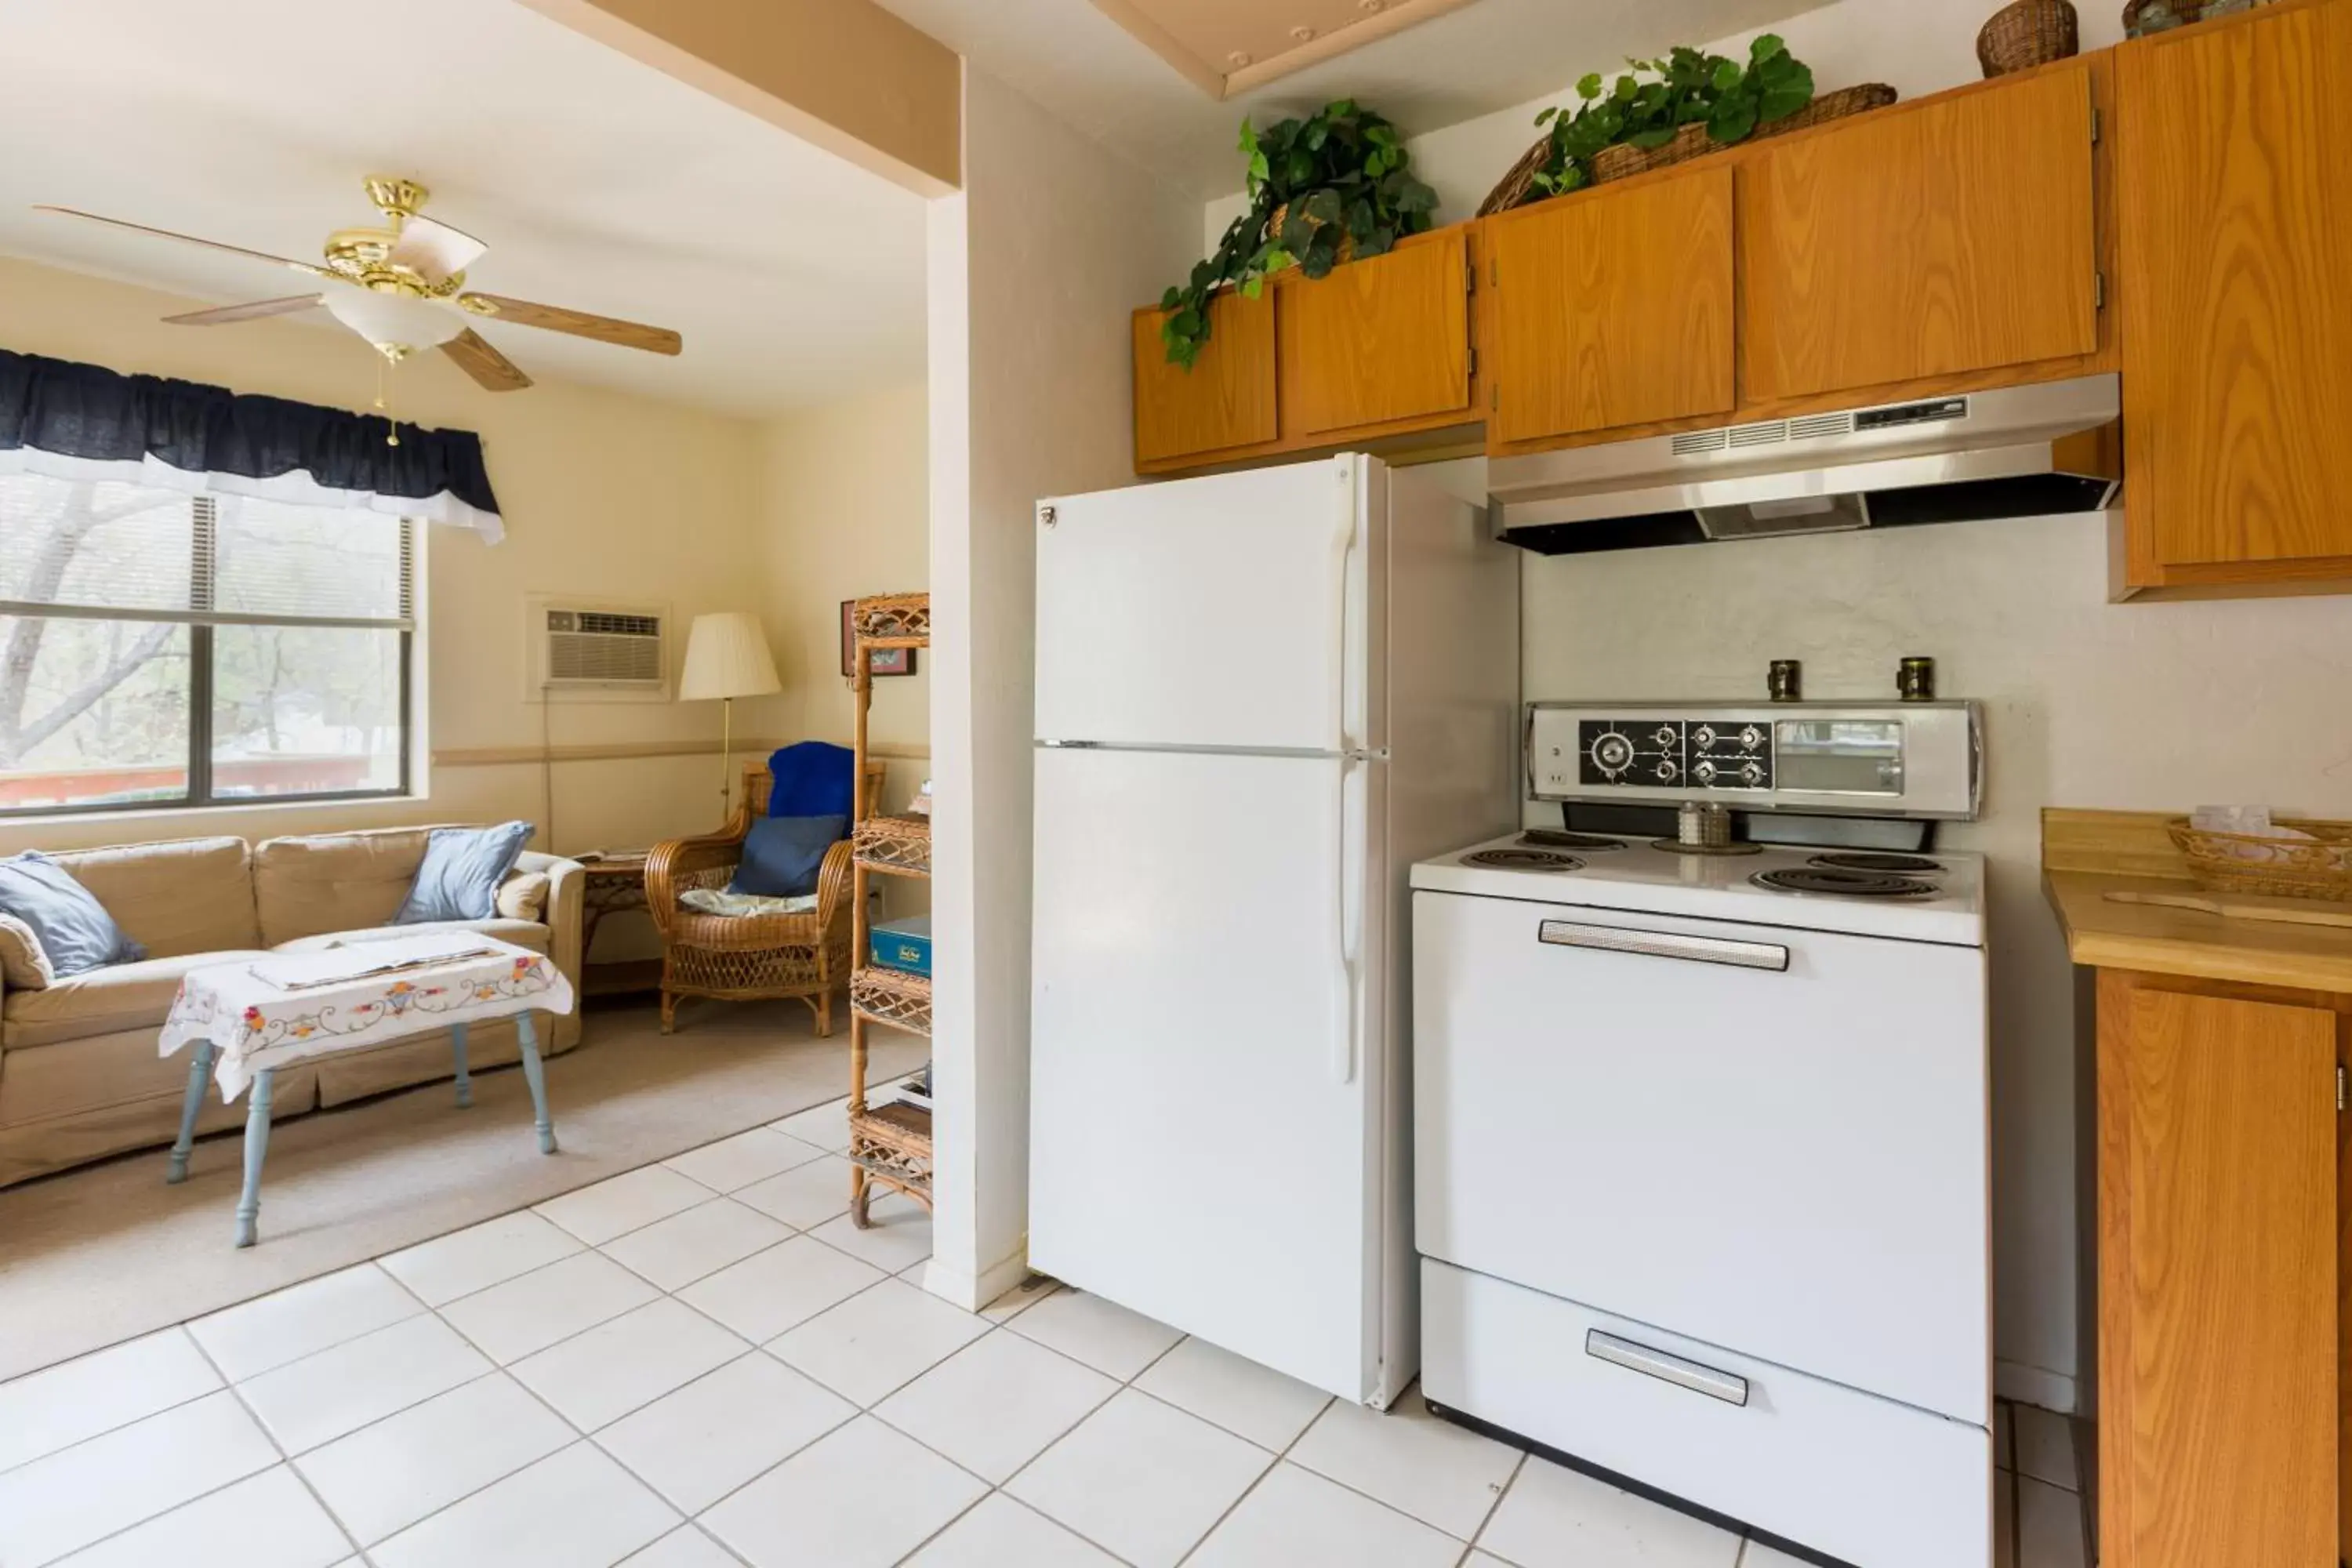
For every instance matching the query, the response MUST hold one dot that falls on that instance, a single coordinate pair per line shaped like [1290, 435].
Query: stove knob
[1704, 773]
[1612, 752]
[1666, 735]
[1703, 736]
[1751, 775]
[1668, 773]
[1751, 739]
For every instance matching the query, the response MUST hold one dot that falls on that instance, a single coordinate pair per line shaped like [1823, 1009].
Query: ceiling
[599, 185]
[1084, 67]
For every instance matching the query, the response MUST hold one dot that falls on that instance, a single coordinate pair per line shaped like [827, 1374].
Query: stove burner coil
[1523, 860]
[1554, 838]
[1900, 863]
[1847, 884]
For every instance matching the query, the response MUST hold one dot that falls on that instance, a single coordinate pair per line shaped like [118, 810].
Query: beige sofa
[79, 1076]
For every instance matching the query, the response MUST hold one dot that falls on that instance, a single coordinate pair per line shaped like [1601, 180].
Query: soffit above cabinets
[1225, 47]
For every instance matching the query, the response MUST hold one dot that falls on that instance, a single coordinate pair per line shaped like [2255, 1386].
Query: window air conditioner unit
[599, 649]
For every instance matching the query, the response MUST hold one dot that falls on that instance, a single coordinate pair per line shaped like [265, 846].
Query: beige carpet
[93, 1257]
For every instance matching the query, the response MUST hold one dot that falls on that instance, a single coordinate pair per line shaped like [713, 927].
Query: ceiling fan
[402, 289]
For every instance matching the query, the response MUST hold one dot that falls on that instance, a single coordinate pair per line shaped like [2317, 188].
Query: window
[158, 649]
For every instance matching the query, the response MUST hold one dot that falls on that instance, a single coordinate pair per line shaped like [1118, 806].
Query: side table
[615, 883]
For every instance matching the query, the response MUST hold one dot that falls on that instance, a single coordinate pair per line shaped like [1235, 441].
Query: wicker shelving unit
[889, 1144]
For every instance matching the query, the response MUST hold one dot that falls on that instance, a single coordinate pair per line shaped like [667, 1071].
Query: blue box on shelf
[901, 944]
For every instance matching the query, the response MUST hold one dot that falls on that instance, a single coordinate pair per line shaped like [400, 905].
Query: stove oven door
[1770, 1139]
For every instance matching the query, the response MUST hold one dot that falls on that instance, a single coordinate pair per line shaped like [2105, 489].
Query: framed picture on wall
[882, 660]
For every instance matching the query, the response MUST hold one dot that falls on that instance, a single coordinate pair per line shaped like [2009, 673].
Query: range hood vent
[2024, 452]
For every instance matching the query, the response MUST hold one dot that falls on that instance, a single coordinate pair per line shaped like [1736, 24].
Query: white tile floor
[702, 1364]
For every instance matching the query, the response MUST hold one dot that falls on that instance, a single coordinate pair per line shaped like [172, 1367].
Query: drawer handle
[1667, 1368]
[1665, 944]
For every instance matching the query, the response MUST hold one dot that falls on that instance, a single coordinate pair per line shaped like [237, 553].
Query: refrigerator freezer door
[1227, 613]
[1205, 1079]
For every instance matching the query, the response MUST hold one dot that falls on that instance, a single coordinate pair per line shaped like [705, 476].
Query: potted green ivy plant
[1647, 106]
[1336, 184]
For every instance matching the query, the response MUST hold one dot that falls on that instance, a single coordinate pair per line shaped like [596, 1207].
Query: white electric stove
[1701, 1169]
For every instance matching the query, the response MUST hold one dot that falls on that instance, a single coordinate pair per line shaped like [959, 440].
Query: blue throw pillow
[783, 855]
[74, 929]
[462, 869]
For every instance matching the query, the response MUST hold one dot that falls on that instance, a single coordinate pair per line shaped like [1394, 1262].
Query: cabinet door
[2218, 1279]
[1952, 236]
[1383, 339]
[2235, 199]
[1612, 308]
[1226, 399]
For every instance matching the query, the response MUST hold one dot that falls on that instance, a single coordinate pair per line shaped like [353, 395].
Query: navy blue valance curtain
[84, 421]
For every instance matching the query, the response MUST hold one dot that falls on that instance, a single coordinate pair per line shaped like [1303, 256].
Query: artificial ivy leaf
[1359, 219]
[1379, 242]
[1249, 135]
[1276, 258]
[1651, 141]
[1786, 92]
[1167, 301]
[1252, 286]
[1323, 206]
[1766, 46]
[1544, 117]
[1625, 90]
[1733, 120]
[1316, 134]
[1382, 135]
[1318, 261]
[1257, 169]
[1187, 323]
[1339, 108]
[1300, 167]
[1588, 87]
[1726, 76]
[1415, 197]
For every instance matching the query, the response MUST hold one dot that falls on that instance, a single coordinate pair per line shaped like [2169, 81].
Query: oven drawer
[1859, 1477]
[1755, 1135]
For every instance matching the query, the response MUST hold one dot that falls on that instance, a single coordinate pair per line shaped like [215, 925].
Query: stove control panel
[1904, 759]
[1668, 753]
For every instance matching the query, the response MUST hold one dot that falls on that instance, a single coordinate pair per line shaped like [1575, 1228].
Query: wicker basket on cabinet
[890, 1143]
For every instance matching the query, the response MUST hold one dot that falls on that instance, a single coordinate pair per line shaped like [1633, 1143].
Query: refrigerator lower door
[1204, 1080]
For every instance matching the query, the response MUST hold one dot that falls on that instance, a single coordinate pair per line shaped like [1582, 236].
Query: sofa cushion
[522, 934]
[102, 1001]
[332, 882]
[73, 928]
[24, 966]
[189, 895]
[523, 896]
[459, 876]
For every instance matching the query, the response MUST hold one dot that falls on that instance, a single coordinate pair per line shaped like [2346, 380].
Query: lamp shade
[727, 655]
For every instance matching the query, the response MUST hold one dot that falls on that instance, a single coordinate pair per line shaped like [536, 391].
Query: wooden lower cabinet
[2223, 1262]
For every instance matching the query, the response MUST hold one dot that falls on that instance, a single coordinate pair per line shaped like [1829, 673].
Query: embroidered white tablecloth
[257, 1024]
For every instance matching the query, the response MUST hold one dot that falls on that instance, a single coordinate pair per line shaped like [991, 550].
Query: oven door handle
[1665, 944]
[1727, 1386]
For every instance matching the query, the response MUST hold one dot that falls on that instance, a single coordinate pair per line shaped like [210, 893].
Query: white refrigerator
[1260, 697]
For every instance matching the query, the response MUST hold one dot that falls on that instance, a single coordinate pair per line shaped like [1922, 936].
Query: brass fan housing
[363, 256]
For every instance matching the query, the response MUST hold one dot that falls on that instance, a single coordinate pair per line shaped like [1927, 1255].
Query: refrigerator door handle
[1346, 913]
[1343, 540]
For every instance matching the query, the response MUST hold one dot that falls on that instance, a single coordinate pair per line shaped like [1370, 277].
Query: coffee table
[250, 1018]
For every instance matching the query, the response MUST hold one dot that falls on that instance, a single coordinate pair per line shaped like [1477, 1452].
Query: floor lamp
[726, 657]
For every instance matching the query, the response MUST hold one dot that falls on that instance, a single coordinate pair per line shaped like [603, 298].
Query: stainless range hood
[2024, 452]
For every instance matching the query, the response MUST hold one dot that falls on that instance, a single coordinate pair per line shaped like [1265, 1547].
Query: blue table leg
[257, 1147]
[465, 1079]
[528, 1034]
[199, 1069]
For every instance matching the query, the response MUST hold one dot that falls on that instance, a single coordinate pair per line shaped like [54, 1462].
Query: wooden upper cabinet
[2234, 154]
[1225, 400]
[2218, 1279]
[1951, 236]
[1383, 339]
[1612, 306]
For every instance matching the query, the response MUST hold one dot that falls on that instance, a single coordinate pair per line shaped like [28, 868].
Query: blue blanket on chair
[813, 778]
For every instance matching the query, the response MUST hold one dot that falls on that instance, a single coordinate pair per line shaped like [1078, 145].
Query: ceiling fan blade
[554, 318]
[253, 312]
[188, 239]
[478, 359]
[434, 250]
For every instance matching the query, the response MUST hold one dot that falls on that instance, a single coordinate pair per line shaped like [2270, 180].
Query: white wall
[1916, 47]
[1034, 268]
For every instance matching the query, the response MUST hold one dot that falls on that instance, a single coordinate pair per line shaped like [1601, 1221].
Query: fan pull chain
[383, 369]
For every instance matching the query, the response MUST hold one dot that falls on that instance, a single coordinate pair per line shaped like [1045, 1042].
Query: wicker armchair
[755, 957]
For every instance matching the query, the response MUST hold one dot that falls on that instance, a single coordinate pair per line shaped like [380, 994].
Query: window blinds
[113, 550]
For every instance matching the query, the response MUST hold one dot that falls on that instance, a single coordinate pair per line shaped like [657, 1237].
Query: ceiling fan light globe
[394, 319]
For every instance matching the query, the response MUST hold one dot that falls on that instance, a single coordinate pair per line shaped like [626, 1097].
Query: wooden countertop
[2088, 855]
